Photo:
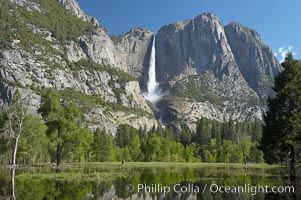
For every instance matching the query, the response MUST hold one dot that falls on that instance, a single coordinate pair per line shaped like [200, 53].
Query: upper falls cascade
[153, 91]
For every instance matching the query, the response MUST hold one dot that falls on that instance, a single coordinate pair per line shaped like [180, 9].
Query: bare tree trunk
[292, 164]
[14, 151]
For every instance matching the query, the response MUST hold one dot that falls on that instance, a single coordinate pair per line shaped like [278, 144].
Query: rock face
[229, 64]
[136, 46]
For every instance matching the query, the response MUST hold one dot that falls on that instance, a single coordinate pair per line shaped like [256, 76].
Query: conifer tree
[283, 120]
[102, 146]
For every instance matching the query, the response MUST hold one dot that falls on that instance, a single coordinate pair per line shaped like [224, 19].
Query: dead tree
[15, 115]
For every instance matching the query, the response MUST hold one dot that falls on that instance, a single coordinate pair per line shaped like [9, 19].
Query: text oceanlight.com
[213, 188]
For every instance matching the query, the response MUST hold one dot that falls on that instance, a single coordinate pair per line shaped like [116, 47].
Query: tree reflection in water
[24, 186]
[12, 183]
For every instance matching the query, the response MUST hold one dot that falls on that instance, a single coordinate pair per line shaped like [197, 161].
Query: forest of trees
[60, 136]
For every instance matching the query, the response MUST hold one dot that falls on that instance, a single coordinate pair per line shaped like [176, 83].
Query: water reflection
[47, 183]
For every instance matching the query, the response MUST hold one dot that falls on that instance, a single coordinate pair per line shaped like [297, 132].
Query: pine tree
[135, 148]
[124, 135]
[230, 131]
[102, 146]
[185, 137]
[283, 119]
[203, 131]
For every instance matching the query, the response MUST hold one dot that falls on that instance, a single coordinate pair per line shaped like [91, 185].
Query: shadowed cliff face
[255, 60]
[194, 46]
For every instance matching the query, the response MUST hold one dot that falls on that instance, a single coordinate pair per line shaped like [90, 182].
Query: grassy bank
[176, 164]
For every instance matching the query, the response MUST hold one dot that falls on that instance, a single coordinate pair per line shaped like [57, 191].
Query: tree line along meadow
[58, 136]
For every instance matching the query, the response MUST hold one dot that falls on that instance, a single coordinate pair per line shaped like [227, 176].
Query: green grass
[178, 164]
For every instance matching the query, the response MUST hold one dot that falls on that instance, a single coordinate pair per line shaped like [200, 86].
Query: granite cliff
[213, 70]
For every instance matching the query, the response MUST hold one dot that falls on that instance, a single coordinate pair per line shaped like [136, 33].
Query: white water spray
[153, 91]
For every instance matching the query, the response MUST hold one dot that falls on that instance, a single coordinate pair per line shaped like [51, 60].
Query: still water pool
[114, 181]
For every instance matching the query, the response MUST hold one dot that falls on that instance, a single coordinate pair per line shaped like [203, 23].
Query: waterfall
[153, 91]
[152, 82]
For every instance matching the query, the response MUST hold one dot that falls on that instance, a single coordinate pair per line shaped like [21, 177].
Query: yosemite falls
[153, 91]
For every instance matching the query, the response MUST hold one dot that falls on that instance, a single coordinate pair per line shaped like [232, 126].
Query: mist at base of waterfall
[154, 96]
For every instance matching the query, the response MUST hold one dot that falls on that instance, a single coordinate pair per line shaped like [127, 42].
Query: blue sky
[277, 21]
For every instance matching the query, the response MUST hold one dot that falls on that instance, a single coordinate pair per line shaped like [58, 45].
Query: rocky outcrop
[74, 52]
[255, 60]
[70, 5]
[19, 2]
[46, 34]
[207, 96]
[100, 49]
[73, 7]
[128, 52]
